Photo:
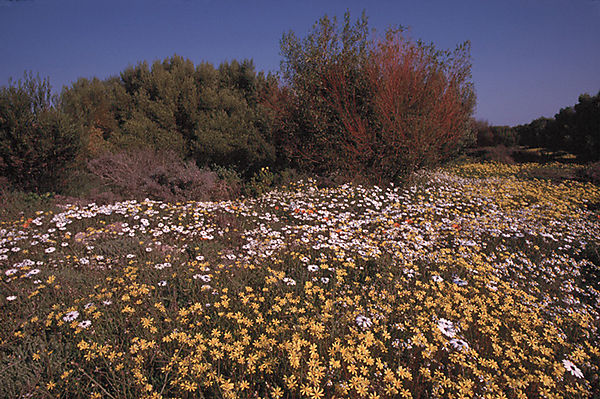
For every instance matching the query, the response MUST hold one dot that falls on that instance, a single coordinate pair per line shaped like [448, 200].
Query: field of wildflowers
[479, 280]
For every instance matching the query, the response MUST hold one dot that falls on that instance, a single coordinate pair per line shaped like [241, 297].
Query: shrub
[260, 183]
[157, 175]
[201, 112]
[380, 108]
[423, 103]
[499, 153]
[91, 103]
[15, 204]
[487, 135]
[37, 140]
[309, 132]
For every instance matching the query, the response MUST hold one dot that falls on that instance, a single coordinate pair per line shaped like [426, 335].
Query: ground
[477, 280]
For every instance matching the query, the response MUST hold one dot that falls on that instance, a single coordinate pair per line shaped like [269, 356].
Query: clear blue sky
[530, 57]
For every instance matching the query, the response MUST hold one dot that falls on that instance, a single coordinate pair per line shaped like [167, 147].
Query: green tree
[37, 140]
[232, 128]
[209, 114]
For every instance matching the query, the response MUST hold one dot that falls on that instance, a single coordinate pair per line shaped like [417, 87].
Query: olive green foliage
[37, 140]
[92, 104]
[345, 104]
[200, 112]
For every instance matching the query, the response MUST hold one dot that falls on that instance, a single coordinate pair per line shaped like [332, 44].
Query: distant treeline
[573, 129]
[345, 102]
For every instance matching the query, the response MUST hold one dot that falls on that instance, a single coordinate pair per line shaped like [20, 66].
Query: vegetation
[487, 136]
[481, 279]
[209, 115]
[217, 242]
[37, 139]
[574, 129]
[376, 107]
[348, 103]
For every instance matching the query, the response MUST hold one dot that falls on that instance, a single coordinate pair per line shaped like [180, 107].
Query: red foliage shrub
[380, 108]
[419, 109]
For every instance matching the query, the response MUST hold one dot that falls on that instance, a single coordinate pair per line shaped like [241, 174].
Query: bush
[380, 108]
[201, 112]
[499, 153]
[18, 204]
[37, 140]
[156, 175]
[260, 183]
[92, 104]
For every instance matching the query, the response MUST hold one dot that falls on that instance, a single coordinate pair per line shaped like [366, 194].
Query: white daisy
[69, 317]
[574, 370]
[204, 277]
[84, 324]
[11, 298]
[459, 344]
[447, 328]
[363, 321]
[32, 272]
[289, 281]
[49, 250]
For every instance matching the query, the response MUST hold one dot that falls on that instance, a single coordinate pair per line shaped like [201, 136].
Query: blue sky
[530, 57]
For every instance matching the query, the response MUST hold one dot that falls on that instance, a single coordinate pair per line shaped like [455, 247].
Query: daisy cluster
[477, 281]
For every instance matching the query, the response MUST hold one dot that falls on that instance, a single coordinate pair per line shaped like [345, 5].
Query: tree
[380, 107]
[37, 140]
[208, 114]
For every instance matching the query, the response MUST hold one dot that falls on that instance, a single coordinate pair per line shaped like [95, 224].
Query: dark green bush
[199, 112]
[487, 135]
[37, 140]
[15, 204]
